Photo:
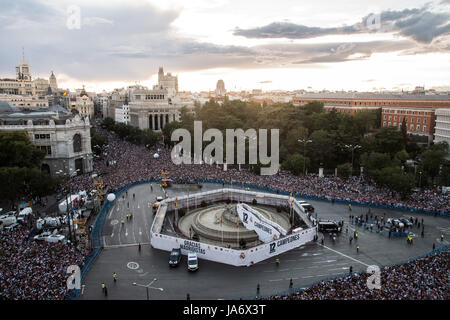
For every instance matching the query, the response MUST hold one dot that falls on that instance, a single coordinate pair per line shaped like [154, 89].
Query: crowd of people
[33, 270]
[123, 163]
[424, 278]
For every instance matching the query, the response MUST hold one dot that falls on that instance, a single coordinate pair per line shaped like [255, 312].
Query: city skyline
[250, 45]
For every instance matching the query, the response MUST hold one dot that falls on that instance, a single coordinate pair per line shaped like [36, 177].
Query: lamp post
[148, 286]
[420, 179]
[352, 147]
[304, 141]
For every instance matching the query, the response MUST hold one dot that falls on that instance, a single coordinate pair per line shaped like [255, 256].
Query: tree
[108, 123]
[402, 156]
[17, 151]
[295, 163]
[390, 140]
[344, 170]
[394, 179]
[167, 131]
[432, 159]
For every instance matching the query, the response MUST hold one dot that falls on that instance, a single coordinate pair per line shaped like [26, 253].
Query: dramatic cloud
[421, 25]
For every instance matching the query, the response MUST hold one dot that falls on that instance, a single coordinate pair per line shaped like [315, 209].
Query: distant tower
[160, 75]
[23, 71]
[220, 89]
[52, 81]
[83, 92]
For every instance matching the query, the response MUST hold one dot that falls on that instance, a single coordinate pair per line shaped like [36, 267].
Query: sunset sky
[283, 44]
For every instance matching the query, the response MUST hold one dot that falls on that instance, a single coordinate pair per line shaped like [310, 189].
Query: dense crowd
[424, 278]
[31, 270]
[123, 163]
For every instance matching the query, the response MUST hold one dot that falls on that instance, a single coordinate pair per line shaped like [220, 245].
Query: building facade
[168, 82]
[151, 109]
[442, 128]
[417, 109]
[122, 114]
[25, 101]
[66, 139]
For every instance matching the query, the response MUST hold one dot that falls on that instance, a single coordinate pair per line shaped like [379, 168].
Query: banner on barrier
[255, 221]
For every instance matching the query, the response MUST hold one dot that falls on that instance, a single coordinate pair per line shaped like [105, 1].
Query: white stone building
[122, 114]
[24, 101]
[442, 126]
[65, 138]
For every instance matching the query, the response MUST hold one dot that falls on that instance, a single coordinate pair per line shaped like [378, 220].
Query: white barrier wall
[233, 257]
[224, 255]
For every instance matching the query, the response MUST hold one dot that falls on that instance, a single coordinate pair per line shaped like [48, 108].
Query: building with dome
[83, 104]
[65, 138]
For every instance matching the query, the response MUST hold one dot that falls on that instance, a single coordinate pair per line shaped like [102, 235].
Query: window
[424, 121]
[77, 143]
[418, 127]
[418, 120]
[424, 128]
[46, 149]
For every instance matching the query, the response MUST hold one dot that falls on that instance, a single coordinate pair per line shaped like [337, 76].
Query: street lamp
[148, 286]
[352, 147]
[304, 141]
[420, 179]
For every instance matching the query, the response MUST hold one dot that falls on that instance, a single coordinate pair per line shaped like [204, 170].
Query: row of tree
[132, 134]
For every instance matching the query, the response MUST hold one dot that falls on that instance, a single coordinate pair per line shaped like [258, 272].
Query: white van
[7, 220]
[23, 213]
[192, 262]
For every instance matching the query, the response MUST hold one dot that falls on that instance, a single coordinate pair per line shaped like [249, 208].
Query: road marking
[325, 261]
[344, 255]
[341, 268]
[126, 232]
[112, 234]
[276, 280]
[82, 289]
[132, 265]
[307, 277]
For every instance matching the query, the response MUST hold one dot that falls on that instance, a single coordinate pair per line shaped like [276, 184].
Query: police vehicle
[329, 226]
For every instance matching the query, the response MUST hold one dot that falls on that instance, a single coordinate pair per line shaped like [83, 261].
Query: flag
[64, 94]
[221, 220]
[176, 202]
[237, 222]
[290, 196]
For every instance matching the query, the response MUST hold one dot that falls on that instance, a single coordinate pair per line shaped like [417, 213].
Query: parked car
[175, 257]
[42, 236]
[192, 262]
[395, 222]
[406, 222]
[55, 238]
[7, 219]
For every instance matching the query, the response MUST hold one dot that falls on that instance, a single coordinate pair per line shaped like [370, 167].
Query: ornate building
[168, 82]
[151, 109]
[65, 138]
[83, 104]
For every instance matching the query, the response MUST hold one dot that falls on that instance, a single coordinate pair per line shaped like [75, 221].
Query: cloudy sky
[282, 44]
